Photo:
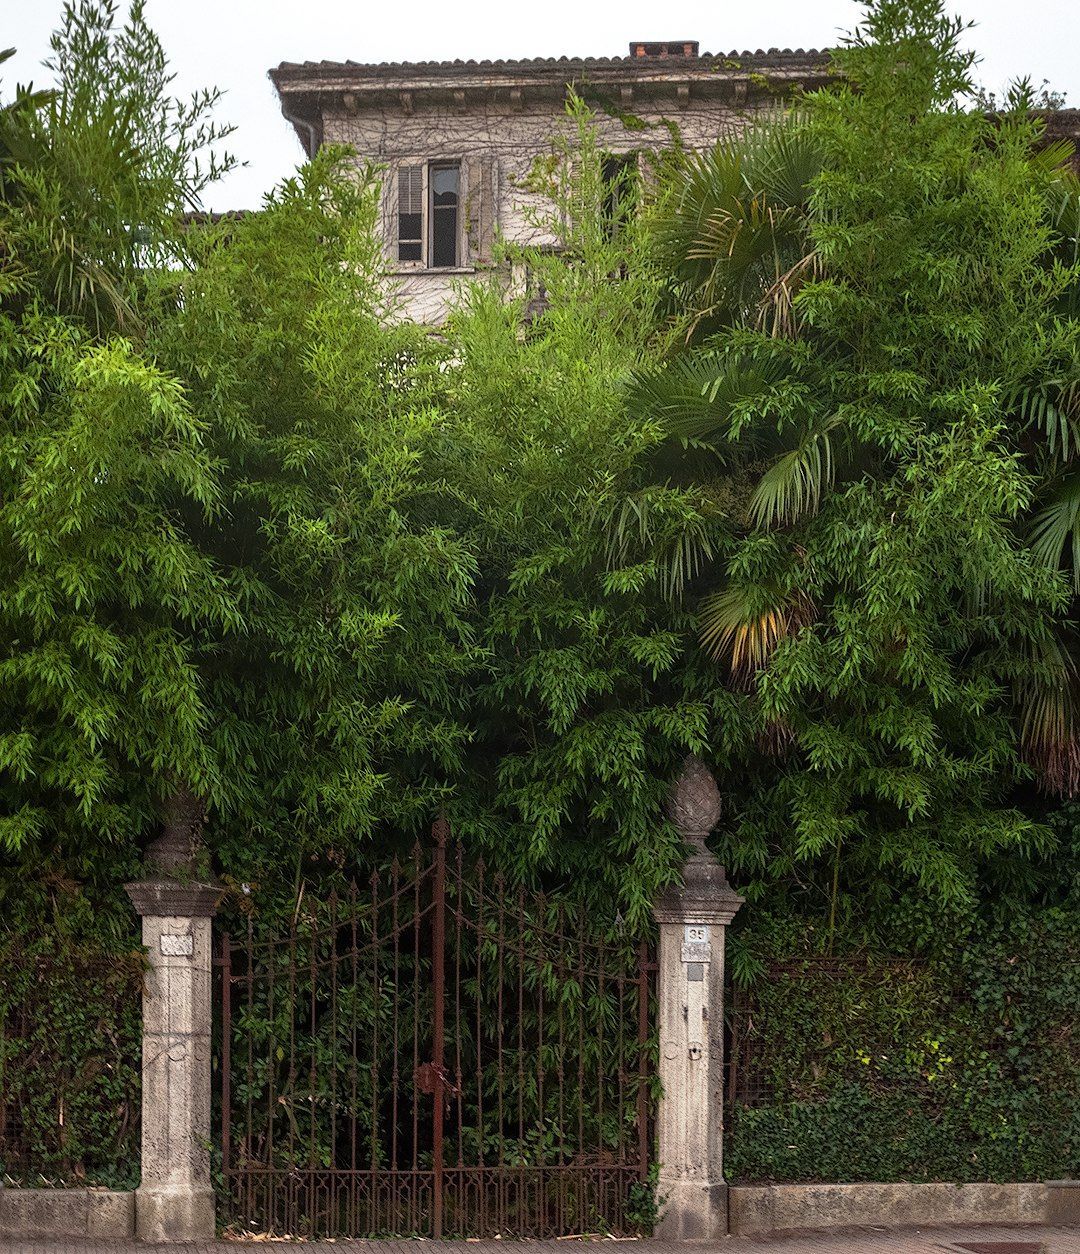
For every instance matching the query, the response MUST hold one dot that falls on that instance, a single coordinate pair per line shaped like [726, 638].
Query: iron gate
[435, 1055]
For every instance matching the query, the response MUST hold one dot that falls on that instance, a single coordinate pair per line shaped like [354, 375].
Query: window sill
[404, 271]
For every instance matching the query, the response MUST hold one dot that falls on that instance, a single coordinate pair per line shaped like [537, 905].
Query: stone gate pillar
[690, 994]
[175, 1200]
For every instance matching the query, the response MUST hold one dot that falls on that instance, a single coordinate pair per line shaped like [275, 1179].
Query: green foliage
[102, 588]
[95, 175]
[70, 1025]
[334, 701]
[219, 577]
[587, 698]
[811, 404]
[873, 288]
[732, 232]
[959, 1066]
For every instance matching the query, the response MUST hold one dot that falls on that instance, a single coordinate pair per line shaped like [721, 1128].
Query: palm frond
[776, 309]
[1053, 407]
[745, 625]
[695, 394]
[783, 157]
[1050, 160]
[1048, 704]
[793, 485]
[1058, 524]
[736, 224]
[660, 525]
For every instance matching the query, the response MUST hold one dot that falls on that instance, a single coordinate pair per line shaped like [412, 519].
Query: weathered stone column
[690, 993]
[175, 1200]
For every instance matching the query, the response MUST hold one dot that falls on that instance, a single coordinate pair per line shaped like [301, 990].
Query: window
[445, 194]
[429, 234]
[618, 171]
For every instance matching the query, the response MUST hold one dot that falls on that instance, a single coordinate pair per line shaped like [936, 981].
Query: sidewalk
[1011, 1239]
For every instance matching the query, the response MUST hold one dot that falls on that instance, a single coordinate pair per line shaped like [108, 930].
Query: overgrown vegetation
[871, 295]
[783, 474]
[959, 1066]
[70, 1044]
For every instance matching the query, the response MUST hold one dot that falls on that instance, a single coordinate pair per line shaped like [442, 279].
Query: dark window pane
[617, 173]
[445, 185]
[410, 236]
[444, 237]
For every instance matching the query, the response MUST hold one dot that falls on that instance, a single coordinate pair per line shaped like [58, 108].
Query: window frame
[425, 262]
[622, 186]
[433, 210]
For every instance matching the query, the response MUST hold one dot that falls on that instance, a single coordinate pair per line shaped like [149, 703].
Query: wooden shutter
[481, 207]
[410, 213]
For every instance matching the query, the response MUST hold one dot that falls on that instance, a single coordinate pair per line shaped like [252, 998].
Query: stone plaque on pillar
[690, 1121]
[175, 1200]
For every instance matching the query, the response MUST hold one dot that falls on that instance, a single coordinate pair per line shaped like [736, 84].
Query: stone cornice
[165, 898]
[704, 896]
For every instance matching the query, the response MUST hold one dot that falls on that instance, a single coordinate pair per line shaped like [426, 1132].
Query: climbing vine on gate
[438, 1053]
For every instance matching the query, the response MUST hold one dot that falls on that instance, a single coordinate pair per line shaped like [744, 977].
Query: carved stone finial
[173, 852]
[704, 896]
[694, 802]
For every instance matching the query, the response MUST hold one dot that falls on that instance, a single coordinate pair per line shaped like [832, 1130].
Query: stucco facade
[475, 129]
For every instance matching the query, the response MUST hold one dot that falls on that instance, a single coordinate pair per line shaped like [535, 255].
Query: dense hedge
[960, 1067]
[70, 1049]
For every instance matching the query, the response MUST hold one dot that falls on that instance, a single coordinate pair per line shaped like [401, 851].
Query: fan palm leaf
[793, 486]
[734, 233]
[1057, 526]
[745, 625]
[696, 395]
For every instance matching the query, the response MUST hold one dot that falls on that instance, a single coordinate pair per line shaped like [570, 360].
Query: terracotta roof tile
[777, 57]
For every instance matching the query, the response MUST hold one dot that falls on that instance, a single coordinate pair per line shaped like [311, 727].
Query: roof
[289, 71]
[1063, 124]
[305, 88]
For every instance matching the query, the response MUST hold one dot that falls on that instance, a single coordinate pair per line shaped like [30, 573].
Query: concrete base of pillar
[692, 1210]
[170, 1215]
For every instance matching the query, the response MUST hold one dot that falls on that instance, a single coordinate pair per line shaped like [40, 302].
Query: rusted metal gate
[435, 1055]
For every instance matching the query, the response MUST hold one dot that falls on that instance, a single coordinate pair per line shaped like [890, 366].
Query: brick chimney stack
[665, 50]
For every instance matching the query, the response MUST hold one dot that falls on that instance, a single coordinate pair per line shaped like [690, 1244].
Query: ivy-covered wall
[70, 1049]
[960, 1067]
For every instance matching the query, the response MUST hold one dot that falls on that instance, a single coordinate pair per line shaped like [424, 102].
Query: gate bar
[438, 1044]
[643, 1060]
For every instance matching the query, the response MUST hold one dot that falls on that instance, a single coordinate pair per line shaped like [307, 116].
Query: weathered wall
[777, 1207]
[94, 1214]
[512, 138]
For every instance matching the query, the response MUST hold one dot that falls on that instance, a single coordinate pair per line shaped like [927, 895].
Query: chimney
[666, 50]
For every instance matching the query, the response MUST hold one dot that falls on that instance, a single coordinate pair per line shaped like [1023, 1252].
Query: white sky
[232, 43]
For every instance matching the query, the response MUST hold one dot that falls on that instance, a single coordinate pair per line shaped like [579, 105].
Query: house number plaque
[695, 946]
